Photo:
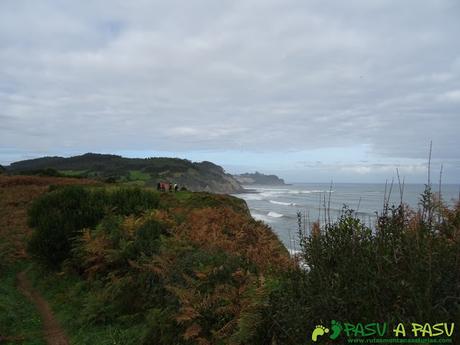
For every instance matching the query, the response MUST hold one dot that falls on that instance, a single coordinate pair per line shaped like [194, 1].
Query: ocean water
[277, 206]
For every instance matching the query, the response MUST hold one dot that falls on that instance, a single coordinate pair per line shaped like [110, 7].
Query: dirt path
[53, 333]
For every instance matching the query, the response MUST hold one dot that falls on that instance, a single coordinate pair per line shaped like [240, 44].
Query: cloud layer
[258, 76]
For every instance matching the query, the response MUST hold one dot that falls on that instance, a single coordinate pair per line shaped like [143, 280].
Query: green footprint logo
[318, 331]
[336, 329]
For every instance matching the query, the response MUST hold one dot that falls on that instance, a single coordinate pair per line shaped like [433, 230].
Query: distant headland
[258, 178]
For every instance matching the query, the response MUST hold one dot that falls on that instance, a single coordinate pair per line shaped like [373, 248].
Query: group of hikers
[167, 187]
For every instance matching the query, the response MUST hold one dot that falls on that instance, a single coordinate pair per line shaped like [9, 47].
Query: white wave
[261, 217]
[283, 203]
[309, 191]
[274, 214]
[271, 189]
[267, 194]
[272, 194]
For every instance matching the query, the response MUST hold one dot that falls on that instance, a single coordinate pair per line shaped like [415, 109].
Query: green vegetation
[19, 321]
[133, 266]
[136, 175]
[405, 269]
[73, 173]
[138, 267]
[258, 178]
[60, 216]
[411, 260]
[204, 176]
[192, 200]
[50, 172]
[68, 296]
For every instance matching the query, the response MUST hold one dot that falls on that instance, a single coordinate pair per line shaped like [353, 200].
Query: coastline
[278, 206]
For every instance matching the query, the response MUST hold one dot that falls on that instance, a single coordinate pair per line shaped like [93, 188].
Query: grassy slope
[66, 296]
[298, 303]
[66, 293]
[19, 321]
[18, 318]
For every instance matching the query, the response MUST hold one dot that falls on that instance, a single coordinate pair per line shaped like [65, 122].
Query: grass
[137, 175]
[137, 183]
[19, 320]
[73, 173]
[192, 200]
[67, 295]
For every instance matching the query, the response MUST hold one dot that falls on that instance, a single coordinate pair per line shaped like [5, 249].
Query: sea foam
[261, 217]
[274, 214]
[283, 203]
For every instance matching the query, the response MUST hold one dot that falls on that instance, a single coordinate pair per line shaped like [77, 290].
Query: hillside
[123, 265]
[129, 266]
[259, 178]
[203, 176]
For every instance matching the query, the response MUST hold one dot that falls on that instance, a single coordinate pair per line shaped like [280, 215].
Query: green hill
[202, 176]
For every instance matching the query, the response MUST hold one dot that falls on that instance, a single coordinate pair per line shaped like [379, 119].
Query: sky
[311, 90]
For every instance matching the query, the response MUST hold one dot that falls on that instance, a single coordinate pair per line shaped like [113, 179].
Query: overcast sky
[310, 90]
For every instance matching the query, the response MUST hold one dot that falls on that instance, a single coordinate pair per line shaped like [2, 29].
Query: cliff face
[207, 177]
[203, 176]
[258, 178]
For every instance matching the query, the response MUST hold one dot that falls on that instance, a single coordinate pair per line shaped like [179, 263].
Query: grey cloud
[256, 75]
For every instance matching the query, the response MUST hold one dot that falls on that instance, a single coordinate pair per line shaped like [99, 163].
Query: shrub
[128, 201]
[162, 328]
[404, 269]
[59, 216]
[50, 172]
[148, 238]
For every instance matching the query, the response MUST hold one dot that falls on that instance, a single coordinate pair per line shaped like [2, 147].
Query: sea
[278, 206]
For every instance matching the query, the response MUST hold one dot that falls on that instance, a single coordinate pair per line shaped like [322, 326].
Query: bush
[128, 201]
[404, 269]
[148, 238]
[162, 328]
[59, 216]
[50, 172]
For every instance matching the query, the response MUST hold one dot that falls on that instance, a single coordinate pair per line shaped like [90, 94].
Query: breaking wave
[283, 203]
[261, 217]
[274, 214]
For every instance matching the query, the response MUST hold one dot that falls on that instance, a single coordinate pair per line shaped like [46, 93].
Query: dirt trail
[53, 333]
